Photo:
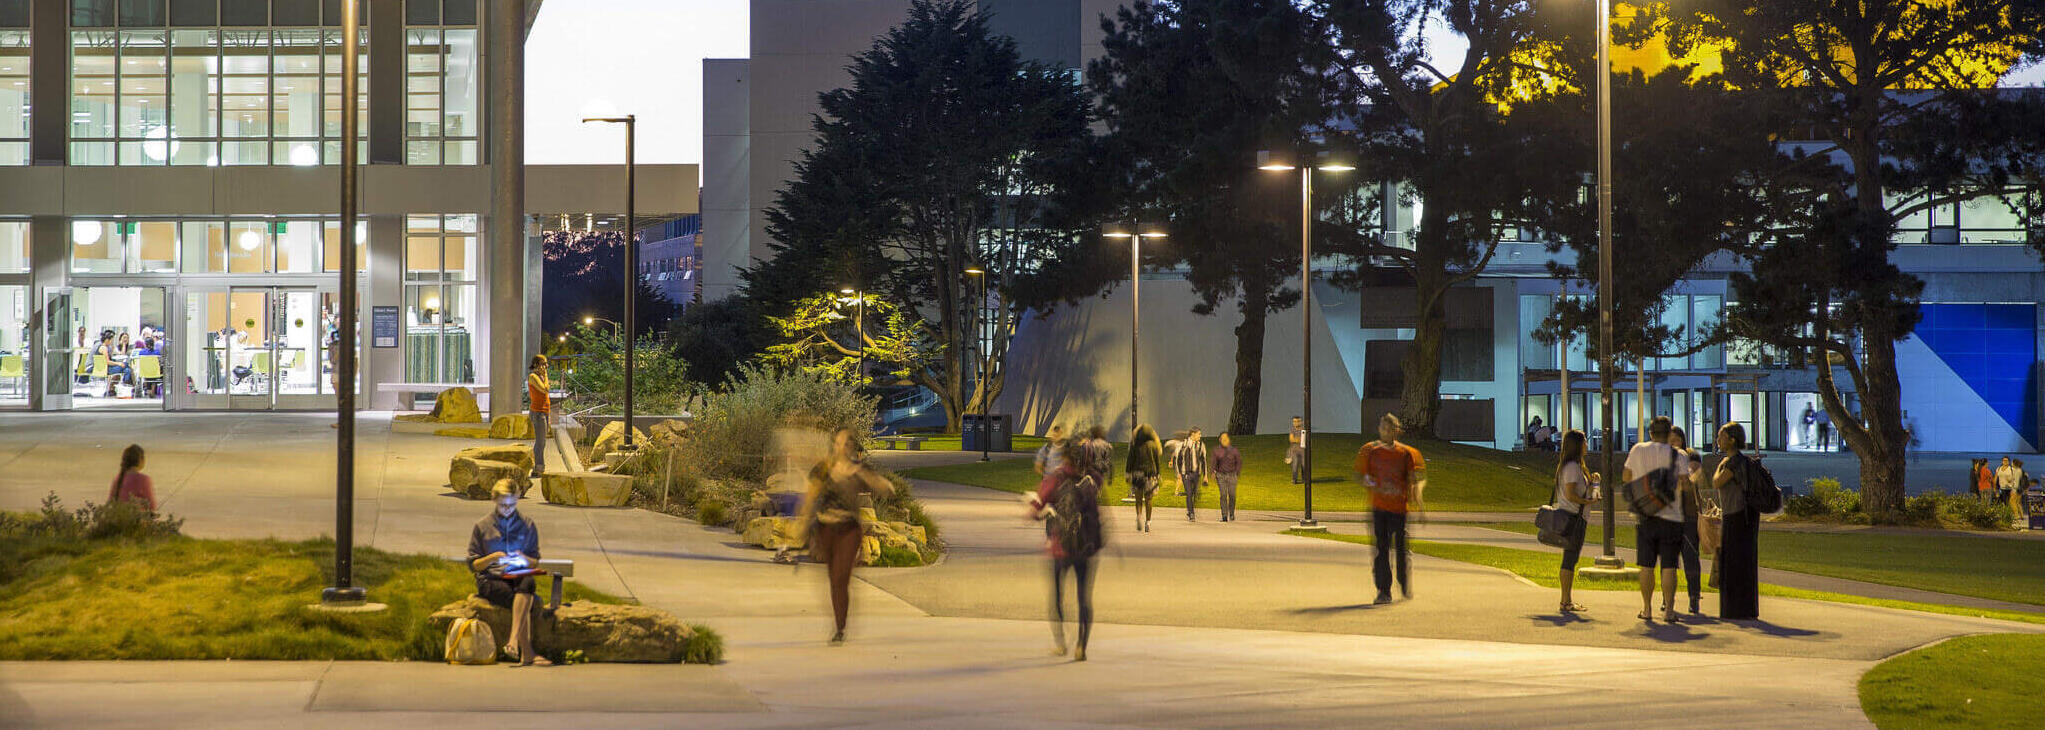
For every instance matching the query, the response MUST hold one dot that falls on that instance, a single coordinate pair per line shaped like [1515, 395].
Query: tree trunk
[1249, 384]
[1880, 443]
[1420, 398]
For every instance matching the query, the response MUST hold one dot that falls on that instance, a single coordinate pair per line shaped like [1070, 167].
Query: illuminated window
[441, 72]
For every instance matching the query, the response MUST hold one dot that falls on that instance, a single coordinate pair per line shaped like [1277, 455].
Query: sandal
[1573, 607]
[1669, 614]
[1645, 615]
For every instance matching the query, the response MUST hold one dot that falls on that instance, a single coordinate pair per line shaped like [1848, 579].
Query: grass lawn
[1460, 478]
[2002, 569]
[1969, 681]
[1545, 568]
[183, 598]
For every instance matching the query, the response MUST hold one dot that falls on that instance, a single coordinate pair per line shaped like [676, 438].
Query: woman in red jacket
[132, 484]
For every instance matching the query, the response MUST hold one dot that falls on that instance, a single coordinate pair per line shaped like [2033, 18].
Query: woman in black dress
[1739, 553]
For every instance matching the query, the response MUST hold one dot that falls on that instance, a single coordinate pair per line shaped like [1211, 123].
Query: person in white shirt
[1659, 537]
[1573, 489]
[2007, 479]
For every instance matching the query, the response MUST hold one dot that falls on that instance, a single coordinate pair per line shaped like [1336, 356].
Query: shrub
[733, 434]
[894, 557]
[705, 646]
[93, 521]
[712, 513]
[1830, 502]
[661, 380]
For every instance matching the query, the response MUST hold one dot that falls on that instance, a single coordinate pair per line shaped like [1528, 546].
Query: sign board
[383, 326]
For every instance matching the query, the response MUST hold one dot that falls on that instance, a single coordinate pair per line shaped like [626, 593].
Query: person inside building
[504, 549]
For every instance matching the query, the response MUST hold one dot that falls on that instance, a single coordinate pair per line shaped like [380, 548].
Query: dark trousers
[1388, 533]
[1083, 593]
[1190, 483]
[539, 421]
[841, 552]
[1692, 565]
[1739, 566]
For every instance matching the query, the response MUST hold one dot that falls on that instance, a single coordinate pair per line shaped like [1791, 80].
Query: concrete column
[386, 288]
[504, 37]
[49, 255]
[49, 82]
[535, 266]
[386, 51]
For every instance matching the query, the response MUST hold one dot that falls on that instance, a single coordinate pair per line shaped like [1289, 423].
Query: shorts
[500, 591]
[1142, 485]
[1659, 542]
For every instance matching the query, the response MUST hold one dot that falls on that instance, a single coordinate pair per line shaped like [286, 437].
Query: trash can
[975, 428]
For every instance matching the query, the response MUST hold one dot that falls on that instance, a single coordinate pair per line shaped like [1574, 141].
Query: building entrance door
[60, 361]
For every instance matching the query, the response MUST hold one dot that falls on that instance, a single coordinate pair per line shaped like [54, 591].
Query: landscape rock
[519, 454]
[465, 432]
[603, 632]
[669, 432]
[586, 489]
[610, 438]
[456, 405]
[512, 426]
[774, 533]
[474, 478]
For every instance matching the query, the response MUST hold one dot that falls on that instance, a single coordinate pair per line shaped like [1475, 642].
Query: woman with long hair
[1691, 474]
[537, 391]
[1145, 463]
[830, 515]
[131, 484]
[1574, 488]
[1739, 551]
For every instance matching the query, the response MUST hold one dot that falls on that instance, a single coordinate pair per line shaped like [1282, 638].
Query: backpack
[470, 641]
[1100, 458]
[1654, 491]
[1076, 517]
[1762, 495]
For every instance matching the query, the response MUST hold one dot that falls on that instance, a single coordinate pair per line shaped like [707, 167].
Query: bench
[557, 570]
[914, 443]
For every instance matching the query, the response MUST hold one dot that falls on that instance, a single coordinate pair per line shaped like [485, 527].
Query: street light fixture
[1270, 162]
[980, 379]
[1135, 233]
[631, 122]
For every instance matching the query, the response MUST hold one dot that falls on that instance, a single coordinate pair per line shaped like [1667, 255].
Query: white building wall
[727, 206]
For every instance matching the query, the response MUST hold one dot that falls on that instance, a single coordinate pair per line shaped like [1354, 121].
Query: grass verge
[1968, 681]
[1460, 478]
[1545, 569]
[184, 598]
[2000, 569]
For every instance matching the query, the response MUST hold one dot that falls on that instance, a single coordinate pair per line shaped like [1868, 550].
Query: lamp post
[1609, 562]
[1135, 233]
[631, 122]
[344, 592]
[1267, 162]
[980, 378]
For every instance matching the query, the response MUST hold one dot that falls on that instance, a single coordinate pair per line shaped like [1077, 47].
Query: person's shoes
[1406, 590]
[1646, 615]
[1573, 607]
[1696, 605]
[1384, 598]
[1189, 518]
[536, 661]
[1080, 655]
[1669, 614]
[838, 639]
[1058, 650]
[511, 651]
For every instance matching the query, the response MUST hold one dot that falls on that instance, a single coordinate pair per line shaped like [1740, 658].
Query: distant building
[671, 258]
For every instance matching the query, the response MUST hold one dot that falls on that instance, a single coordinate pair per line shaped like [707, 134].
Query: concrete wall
[727, 213]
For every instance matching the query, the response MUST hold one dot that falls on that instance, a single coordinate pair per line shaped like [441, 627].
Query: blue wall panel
[1992, 347]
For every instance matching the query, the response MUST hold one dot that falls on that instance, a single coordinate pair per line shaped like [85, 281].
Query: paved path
[1202, 625]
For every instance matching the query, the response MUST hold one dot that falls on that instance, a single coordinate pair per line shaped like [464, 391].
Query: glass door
[299, 350]
[251, 360]
[60, 348]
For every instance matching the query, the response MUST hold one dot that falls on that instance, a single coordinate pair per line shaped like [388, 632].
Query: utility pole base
[1309, 526]
[346, 600]
[1610, 566]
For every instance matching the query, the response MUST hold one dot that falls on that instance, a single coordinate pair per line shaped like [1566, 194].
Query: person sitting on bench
[503, 548]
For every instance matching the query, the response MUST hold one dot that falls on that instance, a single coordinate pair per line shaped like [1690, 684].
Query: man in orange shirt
[1396, 476]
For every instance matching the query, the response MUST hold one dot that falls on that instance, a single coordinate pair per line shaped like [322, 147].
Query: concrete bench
[557, 570]
[913, 443]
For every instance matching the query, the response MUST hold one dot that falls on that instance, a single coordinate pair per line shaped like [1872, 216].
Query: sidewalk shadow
[1559, 620]
[1673, 633]
[1779, 631]
[1327, 610]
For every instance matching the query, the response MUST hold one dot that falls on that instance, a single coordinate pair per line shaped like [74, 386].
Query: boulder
[415, 418]
[474, 478]
[514, 426]
[466, 432]
[519, 454]
[456, 405]
[611, 437]
[774, 533]
[586, 489]
[669, 432]
[603, 632]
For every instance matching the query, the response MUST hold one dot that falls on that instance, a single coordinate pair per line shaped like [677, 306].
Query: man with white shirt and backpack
[1655, 476]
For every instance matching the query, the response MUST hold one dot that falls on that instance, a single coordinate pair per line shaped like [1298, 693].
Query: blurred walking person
[1142, 468]
[1573, 490]
[830, 515]
[1069, 501]
[1739, 551]
[1052, 454]
[1228, 468]
[1189, 462]
[1396, 477]
[1296, 450]
[1100, 456]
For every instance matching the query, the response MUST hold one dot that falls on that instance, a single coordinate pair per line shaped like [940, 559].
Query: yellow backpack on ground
[470, 641]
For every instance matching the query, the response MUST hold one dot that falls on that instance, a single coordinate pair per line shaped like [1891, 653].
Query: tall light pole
[1135, 233]
[344, 592]
[1610, 561]
[1268, 162]
[980, 378]
[631, 122]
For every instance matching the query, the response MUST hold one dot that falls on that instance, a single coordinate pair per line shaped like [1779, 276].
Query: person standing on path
[1069, 500]
[2007, 477]
[830, 515]
[2017, 499]
[1824, 430]
[1396, 477]
[1810, 421]
[1100, 456]
[1739, 551]
[1659, 536]
[1228, 467]
[1984, 480]
[1190, 463]
[1052, 454]
[1573, 490]
[537, 393]
[1690, 473]
[1145, 463]
[1296, 450]
[131, 484]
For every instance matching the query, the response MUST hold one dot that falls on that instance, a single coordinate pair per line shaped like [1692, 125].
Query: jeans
[1083, 593]
[1298, 457]
[539, 419]
[1191, 483]
[1388, 534]
[1226, 483]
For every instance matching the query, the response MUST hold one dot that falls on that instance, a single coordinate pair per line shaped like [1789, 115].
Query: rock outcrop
[586, 488]
[610, 438]
[512, 426]
[519, 454]
[474, 478]
[603, 632]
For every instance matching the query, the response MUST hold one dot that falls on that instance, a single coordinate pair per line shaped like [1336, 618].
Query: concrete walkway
[1201, 625]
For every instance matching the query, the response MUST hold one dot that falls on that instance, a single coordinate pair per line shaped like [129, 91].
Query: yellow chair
[99, 372]
[11, 369]
[259, 364]
[148, 371]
